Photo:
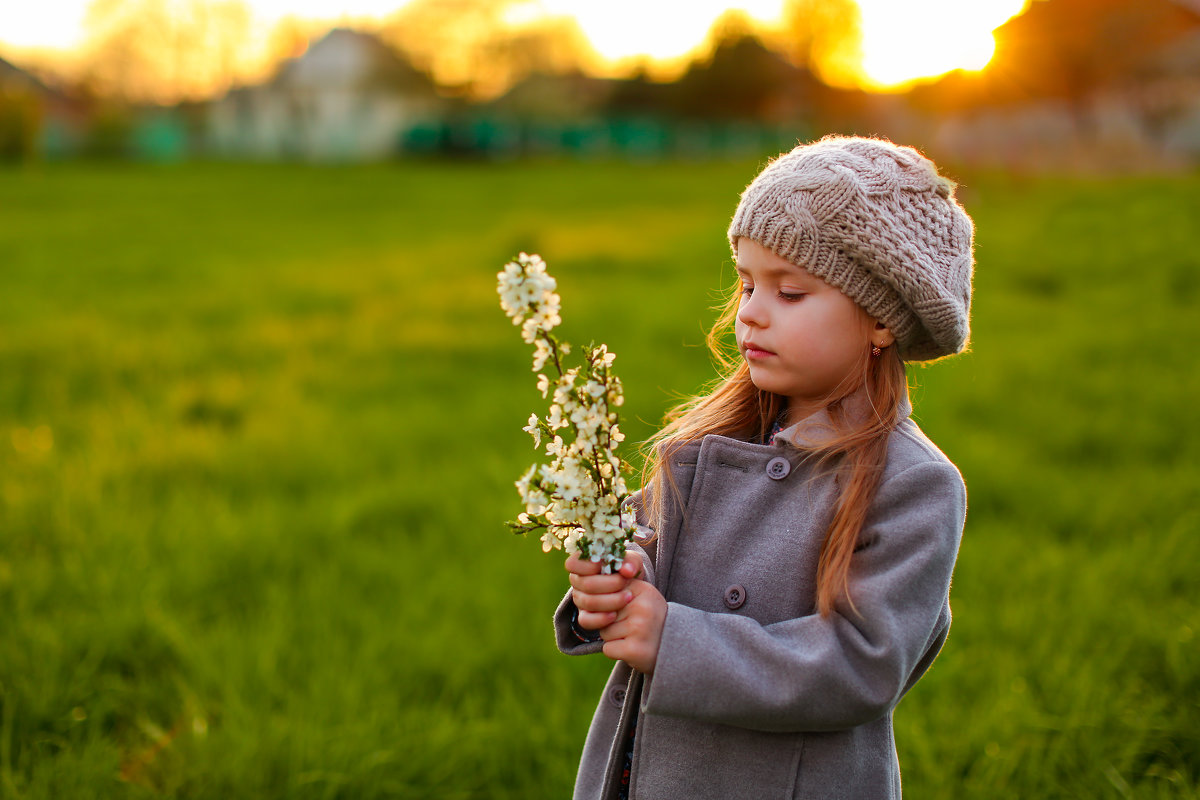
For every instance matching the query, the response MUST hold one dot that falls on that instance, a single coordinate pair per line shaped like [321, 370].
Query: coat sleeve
[564, 634]
[818, 673]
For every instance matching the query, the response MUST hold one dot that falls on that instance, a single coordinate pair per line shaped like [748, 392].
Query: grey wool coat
[755, 694]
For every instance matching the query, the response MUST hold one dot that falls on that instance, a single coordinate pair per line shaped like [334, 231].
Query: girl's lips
[755, 352]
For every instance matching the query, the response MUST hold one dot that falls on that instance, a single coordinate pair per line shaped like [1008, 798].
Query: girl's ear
[881, 335]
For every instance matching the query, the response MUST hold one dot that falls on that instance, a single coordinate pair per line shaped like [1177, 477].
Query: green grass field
[259, 427]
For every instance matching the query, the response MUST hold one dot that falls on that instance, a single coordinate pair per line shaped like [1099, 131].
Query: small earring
[876, 352]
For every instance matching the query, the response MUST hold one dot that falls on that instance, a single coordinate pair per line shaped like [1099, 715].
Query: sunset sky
[902, 41]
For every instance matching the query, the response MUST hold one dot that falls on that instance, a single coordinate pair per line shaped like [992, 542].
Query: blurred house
[1170, 103]
[35, 119]
[349, 97]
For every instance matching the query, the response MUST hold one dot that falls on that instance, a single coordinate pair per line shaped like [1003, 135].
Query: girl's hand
[636, 634]
[599, 597]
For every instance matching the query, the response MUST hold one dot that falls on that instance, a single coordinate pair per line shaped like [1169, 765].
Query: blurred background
[1068, 83]
[260, 412]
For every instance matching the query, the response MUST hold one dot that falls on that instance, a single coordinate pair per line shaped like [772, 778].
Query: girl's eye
[791, 297]
[747, 291]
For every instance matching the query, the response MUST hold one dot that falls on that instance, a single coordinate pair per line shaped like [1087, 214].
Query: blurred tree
[22, 109]
[289, 38]
[109, 132]
[479, 48]
[20, 123]
[1067, 50]
[639, 95]
[740, 79]
[164, 50]
[824, 36]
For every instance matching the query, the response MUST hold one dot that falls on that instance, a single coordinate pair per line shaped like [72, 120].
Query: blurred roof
[346, 57]
[13, 76]
[57, 103]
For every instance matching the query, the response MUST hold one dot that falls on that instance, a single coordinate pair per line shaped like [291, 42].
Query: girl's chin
[764, 383]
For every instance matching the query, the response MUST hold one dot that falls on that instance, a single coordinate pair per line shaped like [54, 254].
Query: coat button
[735, 595]
[616, 695]
[778, 468]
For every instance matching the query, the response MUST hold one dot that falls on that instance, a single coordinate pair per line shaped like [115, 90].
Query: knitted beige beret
[876, 221]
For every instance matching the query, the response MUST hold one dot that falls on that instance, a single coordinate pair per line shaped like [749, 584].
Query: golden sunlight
[621, 30]
[618, 30]
[905, 42]
[60, 24]
[51, 25]
[901, 42]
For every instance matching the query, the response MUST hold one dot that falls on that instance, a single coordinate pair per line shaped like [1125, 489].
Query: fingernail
[628, 596]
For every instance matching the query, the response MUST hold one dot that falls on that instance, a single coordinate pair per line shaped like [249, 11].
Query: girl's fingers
[631, 567]
[624, 626]
[614, 630]
[594, 621]
[601, 602]
[599, 584]
[578, 566]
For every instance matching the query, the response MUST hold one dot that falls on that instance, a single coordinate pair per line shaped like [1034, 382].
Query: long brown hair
[737, 408]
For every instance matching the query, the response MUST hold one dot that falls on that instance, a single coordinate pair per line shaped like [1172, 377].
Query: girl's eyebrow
[789, 271]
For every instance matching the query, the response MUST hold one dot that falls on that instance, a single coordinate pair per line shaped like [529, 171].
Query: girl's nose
[750, 312]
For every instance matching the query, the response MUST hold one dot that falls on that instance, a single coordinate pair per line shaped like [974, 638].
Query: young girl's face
[802, 338]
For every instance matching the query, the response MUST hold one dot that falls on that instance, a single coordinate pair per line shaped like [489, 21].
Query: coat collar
[818, 429]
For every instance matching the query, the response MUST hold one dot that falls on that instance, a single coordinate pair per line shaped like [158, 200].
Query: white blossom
[523, 483]
[534, 430]
[541, 352]
[575, 500]
[527, 296]
[530, 330]
[571, 542]
[536, 502]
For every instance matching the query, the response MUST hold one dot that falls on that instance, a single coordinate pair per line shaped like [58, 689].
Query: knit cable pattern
[878, 222]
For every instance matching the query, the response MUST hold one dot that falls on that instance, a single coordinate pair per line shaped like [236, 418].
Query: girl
[799, 529]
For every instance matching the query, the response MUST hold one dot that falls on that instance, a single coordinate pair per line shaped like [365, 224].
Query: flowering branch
[576, 499]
